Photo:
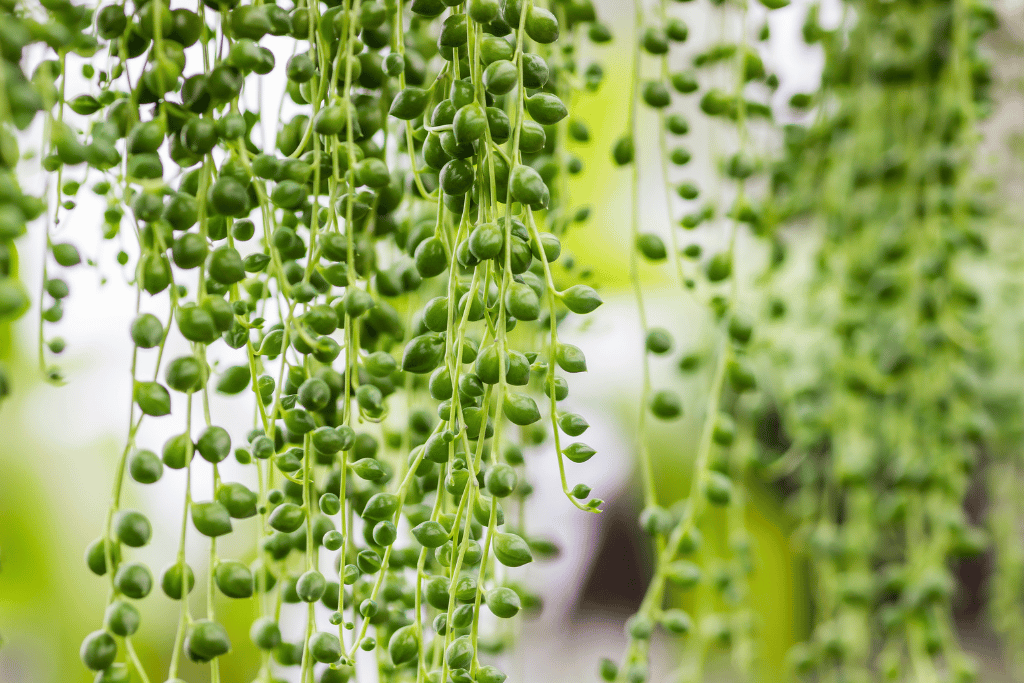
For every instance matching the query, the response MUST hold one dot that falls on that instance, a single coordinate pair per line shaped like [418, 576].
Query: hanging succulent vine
[726, 81]
[881, 516]
[889, 432]
[375, 273]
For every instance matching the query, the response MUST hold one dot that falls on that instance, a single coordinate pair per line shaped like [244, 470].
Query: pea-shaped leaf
[404, 645]
[511, 550]
[623, 151]
[666, 405]
[214, 444]
[380, 507]
[501, 481]
[490, 674]
[409, 103]
[234, 380]
[226, 265]
[271, 344]
[503, 602]
[299, 421]
[522, 302]
[211, 519]
[500, 77]
[133, 528]
[368, 469]
[486, 241]
[459, 654]
[546, 108]
[122, 618]
[520, 409]
[265, 633]
[239, 500]
[145, 467]
[99, 649]
[423, 354]
[325, 647]
[147, 331]
[184, 374]
[437, 593]
[528, 187]
[570, 358]
[286, 517]
[578, 452]
[206, 640]
[718, 488]
[430, 534]
[234, 579]
[134, 580]
[573, 424]
[153, 398]
[581, 299]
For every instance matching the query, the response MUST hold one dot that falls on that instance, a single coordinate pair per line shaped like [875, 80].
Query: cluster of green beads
[24, 94]
[724, 79]
[374, 273]
[888, 433]
[881, 512]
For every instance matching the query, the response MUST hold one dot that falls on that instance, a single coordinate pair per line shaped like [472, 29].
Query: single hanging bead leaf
[430, 534]
[234, 579]
[459, 655]
[581, 299]
[520, 409]
[428, 8]
[211, 519]
[380, 507]
[541, 25]
[286, 517]
[265, 633]
[423, 354]
[206, 640]
[404, 645]
[153, 398]
[573, 424]
[522, 302]
[234, 380]
[503, 602]
[579, 452]
[528, 187]
[239, 500]
[409, 103]
[490, 674]
[623, 151]
[546, 108]
[511, 550]
[13, 300]
[99, 649]
[325, 648]
[147, 331]
[666, 405]
[570, 358]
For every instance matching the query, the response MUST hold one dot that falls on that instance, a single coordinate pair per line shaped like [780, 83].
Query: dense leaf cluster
[375, 272]
[377, 268]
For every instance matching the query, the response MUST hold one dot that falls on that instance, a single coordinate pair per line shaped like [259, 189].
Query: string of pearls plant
[378, 273]
[724, 81]
[374, 274]
[889, 435]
